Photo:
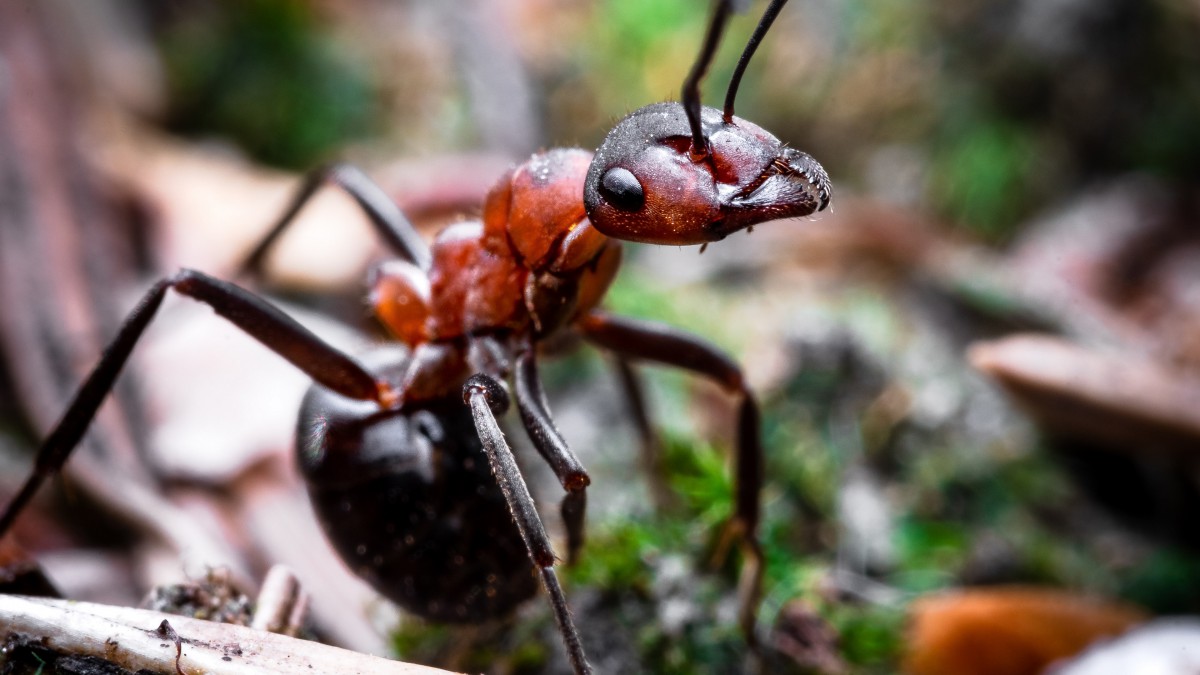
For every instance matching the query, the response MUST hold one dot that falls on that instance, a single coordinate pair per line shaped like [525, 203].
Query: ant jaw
[792, 186]
[807, 174]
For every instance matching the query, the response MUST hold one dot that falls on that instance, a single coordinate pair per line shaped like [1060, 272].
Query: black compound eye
[621, 188]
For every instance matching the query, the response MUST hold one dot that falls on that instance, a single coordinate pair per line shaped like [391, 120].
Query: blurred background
[978, 369]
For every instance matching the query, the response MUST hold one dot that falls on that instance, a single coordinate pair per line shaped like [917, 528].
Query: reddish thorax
[533, 265]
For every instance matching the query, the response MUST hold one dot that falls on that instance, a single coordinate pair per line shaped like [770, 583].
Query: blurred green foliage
[269, 76]
[642, 51]
[1032, 103]
[982, 175]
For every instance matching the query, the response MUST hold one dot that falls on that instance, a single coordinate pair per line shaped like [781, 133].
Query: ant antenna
[764, 25]
[691, 86]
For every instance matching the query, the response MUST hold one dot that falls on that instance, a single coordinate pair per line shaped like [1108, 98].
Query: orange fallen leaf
[1008, 631]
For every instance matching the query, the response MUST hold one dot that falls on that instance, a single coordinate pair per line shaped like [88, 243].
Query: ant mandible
[407, 499]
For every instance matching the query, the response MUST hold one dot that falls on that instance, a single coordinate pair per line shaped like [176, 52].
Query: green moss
[930, 553]
[698, 474]
[617, 556]
[869, 636]
[620, 552]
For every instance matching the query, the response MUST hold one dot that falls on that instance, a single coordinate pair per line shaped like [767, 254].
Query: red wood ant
[405, 498]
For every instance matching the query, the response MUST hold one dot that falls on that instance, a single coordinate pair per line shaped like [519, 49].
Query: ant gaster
[407, 499]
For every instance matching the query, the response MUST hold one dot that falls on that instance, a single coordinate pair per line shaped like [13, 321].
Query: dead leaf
[1008, 631]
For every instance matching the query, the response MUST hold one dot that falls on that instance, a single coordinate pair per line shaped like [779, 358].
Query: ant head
[680, 173]
[644, 185]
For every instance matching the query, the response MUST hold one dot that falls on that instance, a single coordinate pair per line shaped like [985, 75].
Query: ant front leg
[253, 315]
[486, 397]
[383, 213]
[662, 344]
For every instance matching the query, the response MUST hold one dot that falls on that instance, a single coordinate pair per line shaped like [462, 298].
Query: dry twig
[130, 639]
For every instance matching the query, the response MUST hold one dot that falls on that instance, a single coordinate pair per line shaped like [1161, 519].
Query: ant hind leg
[651, 454]
[253, 315]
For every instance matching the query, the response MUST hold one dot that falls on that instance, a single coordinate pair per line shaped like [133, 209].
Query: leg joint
[576, 481]
[491, 389]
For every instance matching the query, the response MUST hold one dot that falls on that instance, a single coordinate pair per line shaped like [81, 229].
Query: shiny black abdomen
[408, 500]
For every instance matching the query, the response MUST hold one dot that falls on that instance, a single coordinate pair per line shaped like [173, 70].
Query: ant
[408, 500]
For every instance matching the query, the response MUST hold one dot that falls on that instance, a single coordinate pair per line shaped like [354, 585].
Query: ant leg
[651, 454]
[387, 218]
[253, 315]
[535, 414]
[486, 397]
[670, 346]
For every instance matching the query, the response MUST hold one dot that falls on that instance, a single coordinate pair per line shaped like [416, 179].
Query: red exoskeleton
[407, 499]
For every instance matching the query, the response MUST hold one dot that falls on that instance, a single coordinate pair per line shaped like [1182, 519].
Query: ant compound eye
[621, 189]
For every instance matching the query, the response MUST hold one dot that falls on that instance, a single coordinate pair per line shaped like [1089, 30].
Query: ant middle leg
[535, 414]
[486, 397]
[669, 346]
[250, 313]
[387, 218]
